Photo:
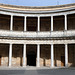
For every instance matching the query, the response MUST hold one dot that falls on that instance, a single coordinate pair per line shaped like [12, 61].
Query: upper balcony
[53, 34]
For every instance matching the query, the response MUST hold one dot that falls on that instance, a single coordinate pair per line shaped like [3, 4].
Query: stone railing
[5, 33]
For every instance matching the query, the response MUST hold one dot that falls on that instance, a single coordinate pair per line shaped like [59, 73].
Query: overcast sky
[37, 2]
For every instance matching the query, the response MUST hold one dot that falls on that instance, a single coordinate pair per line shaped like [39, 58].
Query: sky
[37, 2]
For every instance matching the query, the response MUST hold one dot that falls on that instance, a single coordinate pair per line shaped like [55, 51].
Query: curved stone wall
[37, 26]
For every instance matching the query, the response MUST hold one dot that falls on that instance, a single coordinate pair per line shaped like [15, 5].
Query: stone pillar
[52, 56]
[25, 26]
[65, 22]
[66, 55]
[38, 23]
[24, 55]
[11, 23]
[38, 55]
[51, 23]
[10, 55]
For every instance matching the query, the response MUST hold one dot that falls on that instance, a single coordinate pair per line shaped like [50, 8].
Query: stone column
[52, 56]
[11, 23]
[25, 26]
[24, 55]
[38, 55]
[65, 22]
[38, 23]
[10, 55]
[51, 23]
[66, 55]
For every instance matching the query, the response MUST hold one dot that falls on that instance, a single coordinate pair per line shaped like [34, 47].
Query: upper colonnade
[39, 12]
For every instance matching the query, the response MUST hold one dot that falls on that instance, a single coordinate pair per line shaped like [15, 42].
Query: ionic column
[38, 23]
[25, 27]
[10, 55]
[52, 56]
[65, 22]
[24, 55]
[11, 23]
[51, 23]
[66, 55]
[38, 55]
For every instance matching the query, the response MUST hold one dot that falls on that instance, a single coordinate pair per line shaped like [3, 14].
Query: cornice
[37, 9]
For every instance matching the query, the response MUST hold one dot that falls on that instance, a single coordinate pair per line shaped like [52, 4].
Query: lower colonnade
[51, 55]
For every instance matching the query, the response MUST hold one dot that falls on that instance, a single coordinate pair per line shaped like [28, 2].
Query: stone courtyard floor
[36, 71]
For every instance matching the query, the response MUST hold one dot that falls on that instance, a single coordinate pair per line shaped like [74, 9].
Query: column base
[66, 66]
[24, 66]
[37, 65]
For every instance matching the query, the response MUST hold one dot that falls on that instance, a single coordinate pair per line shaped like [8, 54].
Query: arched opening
[31, 58]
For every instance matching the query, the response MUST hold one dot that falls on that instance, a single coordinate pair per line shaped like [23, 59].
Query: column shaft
[65, 22]
[51, 23]
[24, 55]
[52, 56]
[38, 23]
[38, 55]
[25, 27]
[66, 55]
[10, 54]
[11, 23]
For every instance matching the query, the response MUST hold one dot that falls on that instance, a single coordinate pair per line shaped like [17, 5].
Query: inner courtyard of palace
[37, 36]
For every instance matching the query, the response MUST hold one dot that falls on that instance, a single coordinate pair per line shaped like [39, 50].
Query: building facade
[37, 36]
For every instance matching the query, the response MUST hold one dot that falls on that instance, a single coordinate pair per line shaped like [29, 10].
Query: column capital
[25, 16]
[66, 44]
[38, 16]
[51, 15]
[12, 15]
[10, 43]
[65, 14]
[38, 44]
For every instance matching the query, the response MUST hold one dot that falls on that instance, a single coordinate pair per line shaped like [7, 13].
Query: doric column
[65, 22]
[25, 27]
[38, 55]
[38, 23]
[11, 23]
[51, 23]
[10, 55]
[66, 55]
[52, 56]
[24, 55]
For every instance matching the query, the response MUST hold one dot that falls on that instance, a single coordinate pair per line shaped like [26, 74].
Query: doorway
[62, 60]
[31, 59]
